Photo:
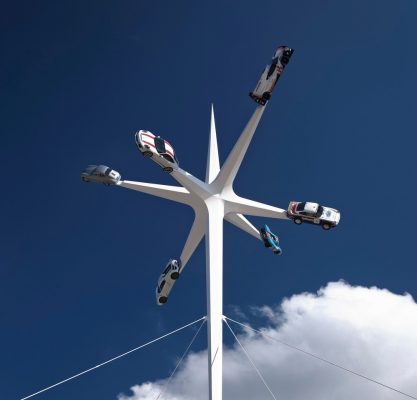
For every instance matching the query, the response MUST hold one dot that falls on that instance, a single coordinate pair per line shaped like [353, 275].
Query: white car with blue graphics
[313, 213]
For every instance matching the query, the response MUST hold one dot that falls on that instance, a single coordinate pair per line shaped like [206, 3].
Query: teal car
[270, 240]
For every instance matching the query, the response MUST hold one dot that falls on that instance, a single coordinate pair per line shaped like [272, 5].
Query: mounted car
[270, 240]
[158, 149]
[313, 213]
[166, 281]
[100, 174]
[271, 74]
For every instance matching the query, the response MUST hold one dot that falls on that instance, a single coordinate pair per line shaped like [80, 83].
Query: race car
[270, 240]
[313, 213]
[100, 174]
[158, 149]
[166, 281]
[271, 74]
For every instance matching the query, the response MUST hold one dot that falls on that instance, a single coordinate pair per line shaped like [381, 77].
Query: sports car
[313, 213]
[270, 240]
[158, 149]
[166, 281]
[100, 174]
[271, 74]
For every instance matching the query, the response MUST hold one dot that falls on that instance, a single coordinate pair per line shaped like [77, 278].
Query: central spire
[213, 165]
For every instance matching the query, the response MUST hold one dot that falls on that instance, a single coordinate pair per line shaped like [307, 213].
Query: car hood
[330, 214]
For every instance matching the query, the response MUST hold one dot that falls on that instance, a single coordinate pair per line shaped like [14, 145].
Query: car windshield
[300, 206]
[272, 67]
[160, 145]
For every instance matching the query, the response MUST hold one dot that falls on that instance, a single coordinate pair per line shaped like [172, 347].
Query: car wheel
[84, 179]
[326, 226]
[148, 154]
[163, 300]
[175, 275]
[266, 95]
[298, 221]
[168, 169]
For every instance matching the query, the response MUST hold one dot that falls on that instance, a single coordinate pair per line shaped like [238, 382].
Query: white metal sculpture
[213, 201]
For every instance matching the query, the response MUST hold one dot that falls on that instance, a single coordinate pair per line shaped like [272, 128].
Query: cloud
[369, 330]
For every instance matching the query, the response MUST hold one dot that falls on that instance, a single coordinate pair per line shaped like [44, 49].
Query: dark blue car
[270, 240]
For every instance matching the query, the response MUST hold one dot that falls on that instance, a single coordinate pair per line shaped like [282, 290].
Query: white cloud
[369, 330]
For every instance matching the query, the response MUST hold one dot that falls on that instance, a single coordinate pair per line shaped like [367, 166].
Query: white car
[166, 281]
[100, 174]
[313, 213]
[271, 74]
[158, 149]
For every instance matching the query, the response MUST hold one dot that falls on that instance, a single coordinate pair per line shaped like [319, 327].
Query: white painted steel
[213, 201]
[214, 284]
[241, 222]
[213, 163]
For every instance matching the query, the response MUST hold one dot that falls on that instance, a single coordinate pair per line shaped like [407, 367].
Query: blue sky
[79, 263]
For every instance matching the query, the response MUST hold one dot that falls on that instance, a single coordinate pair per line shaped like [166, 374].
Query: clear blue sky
[79, 263]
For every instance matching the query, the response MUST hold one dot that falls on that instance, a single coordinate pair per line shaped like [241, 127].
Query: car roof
[311, 207]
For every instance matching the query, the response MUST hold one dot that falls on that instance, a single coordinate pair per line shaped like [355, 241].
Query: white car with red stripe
[271, 74]
[313, 213]
[158, 149]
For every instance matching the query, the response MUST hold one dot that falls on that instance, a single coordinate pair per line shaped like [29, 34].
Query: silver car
[100, 174]
[166, 281]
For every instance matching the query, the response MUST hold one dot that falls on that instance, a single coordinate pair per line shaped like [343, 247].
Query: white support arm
[231, 166]
[197, 233]
[249, 207]
[241, 222]
[174, 193]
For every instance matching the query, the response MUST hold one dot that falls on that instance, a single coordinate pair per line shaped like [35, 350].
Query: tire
[266, 95]
[163, 300]
[84, 179]
[298, 221]
[147, 154]
[326, 226]
[168, 169]
[175, 275]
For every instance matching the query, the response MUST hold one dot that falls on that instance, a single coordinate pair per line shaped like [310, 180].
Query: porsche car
[271, 74]
[270, 240]
[158, 149]
[100, 174]
[313, 213]
[166, 281]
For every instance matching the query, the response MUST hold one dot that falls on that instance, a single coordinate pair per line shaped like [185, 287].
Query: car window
[166, 269]
[319, 211]
[108, 170]
[160, 145]
[300, 206]
[161, 286]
